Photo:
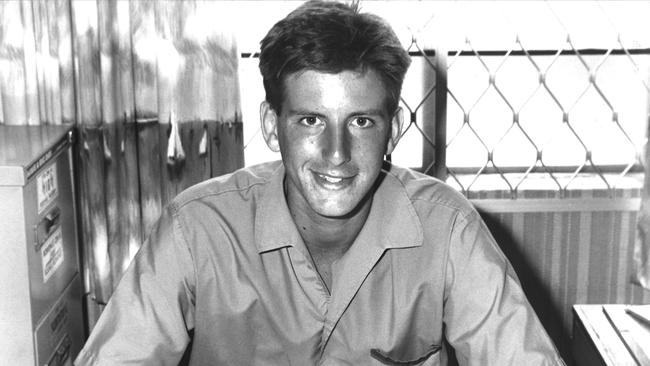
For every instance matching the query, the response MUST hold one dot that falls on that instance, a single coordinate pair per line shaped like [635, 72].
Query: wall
[576, 250]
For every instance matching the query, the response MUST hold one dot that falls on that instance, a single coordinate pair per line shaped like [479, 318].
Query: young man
[330, 257]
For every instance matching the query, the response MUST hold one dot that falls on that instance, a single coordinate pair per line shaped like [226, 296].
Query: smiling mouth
[332, 182]
[331, 179]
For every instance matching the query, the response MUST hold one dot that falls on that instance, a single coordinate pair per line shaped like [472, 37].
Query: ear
[269, 120]
[396, 124]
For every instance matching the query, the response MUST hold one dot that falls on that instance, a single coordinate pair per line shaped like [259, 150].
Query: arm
[487, 316]
[147, 319]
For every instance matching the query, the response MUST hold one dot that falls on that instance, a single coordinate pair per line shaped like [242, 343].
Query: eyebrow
[306, 112]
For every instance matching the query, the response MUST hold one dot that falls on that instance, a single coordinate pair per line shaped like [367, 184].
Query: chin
[335, 214]
[341, 210]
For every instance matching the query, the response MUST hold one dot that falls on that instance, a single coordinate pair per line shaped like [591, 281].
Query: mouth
[333, 182]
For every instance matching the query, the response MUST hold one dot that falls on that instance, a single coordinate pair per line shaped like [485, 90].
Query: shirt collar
[274, 227]
[392, 222]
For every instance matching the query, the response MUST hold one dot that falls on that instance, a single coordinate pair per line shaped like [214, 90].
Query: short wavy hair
[332, 37]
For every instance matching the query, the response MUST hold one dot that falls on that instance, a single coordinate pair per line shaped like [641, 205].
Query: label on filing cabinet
[46, 187]
[52, 254]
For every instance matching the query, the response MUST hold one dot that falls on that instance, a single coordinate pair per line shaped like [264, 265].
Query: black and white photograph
[324, 182]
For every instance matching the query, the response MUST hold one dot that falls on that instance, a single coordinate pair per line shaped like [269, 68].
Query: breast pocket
[430, 358]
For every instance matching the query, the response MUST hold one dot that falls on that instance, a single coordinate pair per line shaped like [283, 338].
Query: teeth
[331, 179]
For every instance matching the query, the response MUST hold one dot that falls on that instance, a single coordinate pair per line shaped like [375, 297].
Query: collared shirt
[226, 261]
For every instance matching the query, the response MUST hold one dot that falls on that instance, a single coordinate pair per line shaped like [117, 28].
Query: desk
[606, 335]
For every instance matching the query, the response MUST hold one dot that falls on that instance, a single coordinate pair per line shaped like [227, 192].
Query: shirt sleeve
[487, 316]
[147, 319]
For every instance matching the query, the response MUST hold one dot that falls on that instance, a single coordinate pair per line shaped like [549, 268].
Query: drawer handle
[47, 225]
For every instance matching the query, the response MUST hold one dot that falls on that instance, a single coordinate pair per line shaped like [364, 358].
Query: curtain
[152, 90]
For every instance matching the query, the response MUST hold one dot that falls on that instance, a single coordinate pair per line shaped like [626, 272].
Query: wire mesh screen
[565, 115]
[513, 96]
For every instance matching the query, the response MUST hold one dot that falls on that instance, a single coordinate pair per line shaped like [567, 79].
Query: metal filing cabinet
[41, 320]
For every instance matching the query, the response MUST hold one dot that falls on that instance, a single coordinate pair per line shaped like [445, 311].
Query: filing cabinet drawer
[50, 232]
[59, 331]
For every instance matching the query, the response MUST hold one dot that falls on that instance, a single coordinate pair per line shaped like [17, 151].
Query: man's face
[333, 132]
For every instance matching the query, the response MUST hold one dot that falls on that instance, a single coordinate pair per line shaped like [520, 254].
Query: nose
[336, 149]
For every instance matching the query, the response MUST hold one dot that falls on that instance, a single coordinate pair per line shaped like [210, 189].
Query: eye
[310, 121]
[362, 122]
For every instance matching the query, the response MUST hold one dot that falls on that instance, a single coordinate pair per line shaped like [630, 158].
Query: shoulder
[425, 190]
[238, 185]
